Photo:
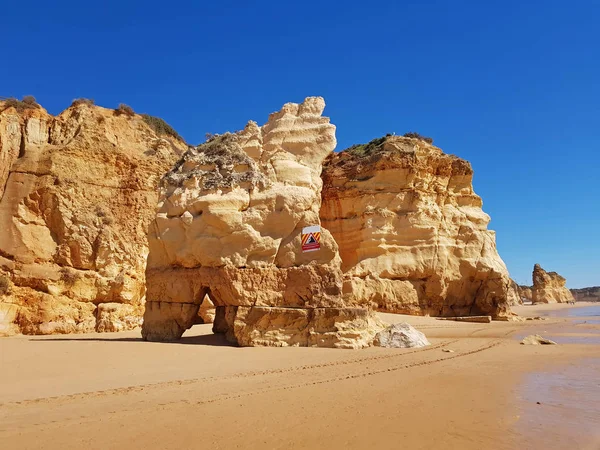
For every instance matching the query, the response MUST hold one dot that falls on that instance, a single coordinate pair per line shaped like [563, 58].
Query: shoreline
[550, 307]
[115, 391]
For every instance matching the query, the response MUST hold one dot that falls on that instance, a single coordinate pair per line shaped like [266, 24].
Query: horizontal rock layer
[411, 232]
[250, 326]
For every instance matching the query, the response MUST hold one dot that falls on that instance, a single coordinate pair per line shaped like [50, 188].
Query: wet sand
[102, 391]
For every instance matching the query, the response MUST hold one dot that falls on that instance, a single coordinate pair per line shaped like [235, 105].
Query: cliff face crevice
[411, 232]
[74, 211]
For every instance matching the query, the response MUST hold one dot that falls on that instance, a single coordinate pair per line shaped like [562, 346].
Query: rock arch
[229, 222]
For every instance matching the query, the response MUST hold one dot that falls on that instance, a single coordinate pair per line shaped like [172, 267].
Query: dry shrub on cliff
[125, 109]
[4, 285]
[415, 135]
[83, 101]
[28, 102]
[219, 162]
[160, 127]
[368, 148]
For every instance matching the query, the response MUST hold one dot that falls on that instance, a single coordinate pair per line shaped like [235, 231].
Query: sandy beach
[100, 391]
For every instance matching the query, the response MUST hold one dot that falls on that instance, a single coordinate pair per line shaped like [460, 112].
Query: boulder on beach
[400, 335]
[536, 339]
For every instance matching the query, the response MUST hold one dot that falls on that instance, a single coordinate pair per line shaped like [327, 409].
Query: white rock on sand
[400, 335]
[536, 339]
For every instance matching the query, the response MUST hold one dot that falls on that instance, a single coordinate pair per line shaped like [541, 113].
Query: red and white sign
[311, 238]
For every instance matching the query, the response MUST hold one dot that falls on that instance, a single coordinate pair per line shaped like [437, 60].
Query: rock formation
[549, 287]
[536, 339]
[589, 294]
[395, 225]
[77, 193]
[411, 232]
[524, 292]
[207, 311]
[230, 223]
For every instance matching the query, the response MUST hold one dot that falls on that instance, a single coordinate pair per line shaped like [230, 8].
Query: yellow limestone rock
[411, 232]
[229, 224]
[77, 194]
[549, 287]
[524, 293]
[207, 311]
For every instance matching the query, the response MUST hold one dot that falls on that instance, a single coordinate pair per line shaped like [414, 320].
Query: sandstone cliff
[525, 292]
[411, 232]
[77, 193]
[549, 287]
[589, 294]
[229, 225]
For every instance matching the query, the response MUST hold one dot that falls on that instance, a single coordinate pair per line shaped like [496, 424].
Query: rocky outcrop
[230, 223]
[400, 335]
[549, 287]
[77, 194]
[411, 232]
[589, 294]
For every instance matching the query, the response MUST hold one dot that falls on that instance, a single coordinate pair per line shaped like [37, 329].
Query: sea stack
[549, 287]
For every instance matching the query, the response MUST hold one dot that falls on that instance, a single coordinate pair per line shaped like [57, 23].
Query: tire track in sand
[250, 374]
[134, 408]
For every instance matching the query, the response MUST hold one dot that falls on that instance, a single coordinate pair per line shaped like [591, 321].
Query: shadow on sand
[217, 340]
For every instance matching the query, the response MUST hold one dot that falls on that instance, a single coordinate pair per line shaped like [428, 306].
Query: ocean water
[589, 312]
[585, 311]
[562, 408]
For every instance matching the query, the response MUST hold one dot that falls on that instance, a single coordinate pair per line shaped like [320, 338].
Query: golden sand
[101, 391]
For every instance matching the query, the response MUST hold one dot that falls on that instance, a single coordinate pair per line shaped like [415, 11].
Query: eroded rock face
[549, 287]
[229, 224]
[77, 194]
[411, 232]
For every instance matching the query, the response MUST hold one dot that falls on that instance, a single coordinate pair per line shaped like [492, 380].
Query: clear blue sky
[513, 87]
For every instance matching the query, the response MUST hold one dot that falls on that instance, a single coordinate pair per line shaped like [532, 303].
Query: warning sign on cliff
[311, 238]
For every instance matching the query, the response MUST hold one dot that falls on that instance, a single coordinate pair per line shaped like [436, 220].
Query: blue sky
[512, 86]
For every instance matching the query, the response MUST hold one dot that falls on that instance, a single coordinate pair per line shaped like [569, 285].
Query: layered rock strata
[77, 194]
[549, 287]
[589, 294]
[229, 225]
[411, 231]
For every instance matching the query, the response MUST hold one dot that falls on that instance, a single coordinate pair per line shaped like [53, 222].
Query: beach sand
[101, 391]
